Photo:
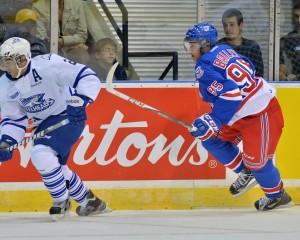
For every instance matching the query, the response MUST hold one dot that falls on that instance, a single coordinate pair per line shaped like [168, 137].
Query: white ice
[203, 223]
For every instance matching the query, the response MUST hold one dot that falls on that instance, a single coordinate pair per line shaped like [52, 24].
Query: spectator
[104, 56]
[9, 8]
[72, 24]
[2, 33]
[2, 30]
[233, 24]
[25, 27]
[289, 62]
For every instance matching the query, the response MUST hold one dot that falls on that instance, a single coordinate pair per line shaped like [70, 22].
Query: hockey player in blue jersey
[244, 107]
[37, 89]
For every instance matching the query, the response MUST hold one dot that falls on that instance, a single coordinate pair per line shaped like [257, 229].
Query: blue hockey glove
[76, 109]
[206, 127]
[5, 142]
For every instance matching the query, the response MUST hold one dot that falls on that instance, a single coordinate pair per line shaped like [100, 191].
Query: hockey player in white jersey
[38, 89]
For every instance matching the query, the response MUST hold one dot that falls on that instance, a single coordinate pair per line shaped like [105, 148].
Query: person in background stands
[103, 57]
[25, 27]
[289, 61]
[2, 34]
[2, 30]
[9, 9]
[72, 24]
[233, 23]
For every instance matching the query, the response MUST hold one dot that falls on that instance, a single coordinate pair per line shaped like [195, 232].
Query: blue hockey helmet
[203, 33]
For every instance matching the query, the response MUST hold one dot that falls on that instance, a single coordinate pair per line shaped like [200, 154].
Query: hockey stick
[190, 127]
[39, 134]
[110, 88]
[74, 101]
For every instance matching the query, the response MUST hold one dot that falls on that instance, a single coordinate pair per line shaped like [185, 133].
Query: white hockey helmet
[15, 48]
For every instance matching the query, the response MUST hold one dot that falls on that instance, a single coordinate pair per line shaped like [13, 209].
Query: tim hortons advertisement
[122, 141]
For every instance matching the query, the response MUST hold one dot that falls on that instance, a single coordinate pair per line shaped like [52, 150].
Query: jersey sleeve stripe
[258, 87]
[13, 124]
[89, 74]
[79, 76]
[15, 120]
[234, 95]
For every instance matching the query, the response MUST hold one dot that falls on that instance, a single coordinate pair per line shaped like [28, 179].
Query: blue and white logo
[36, 103]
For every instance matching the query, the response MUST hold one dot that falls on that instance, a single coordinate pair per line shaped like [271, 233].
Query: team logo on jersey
[36, 103]
[199, 72]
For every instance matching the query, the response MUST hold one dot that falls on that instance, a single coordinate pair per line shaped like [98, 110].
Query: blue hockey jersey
[227, 82]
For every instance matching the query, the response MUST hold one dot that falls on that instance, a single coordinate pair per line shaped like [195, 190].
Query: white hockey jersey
[42, 92]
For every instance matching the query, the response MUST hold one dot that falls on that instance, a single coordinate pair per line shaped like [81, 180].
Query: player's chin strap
[20, 69]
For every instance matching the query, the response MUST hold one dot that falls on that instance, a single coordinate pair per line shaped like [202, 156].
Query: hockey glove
[6, 142]
[76, 109]
[206, 127]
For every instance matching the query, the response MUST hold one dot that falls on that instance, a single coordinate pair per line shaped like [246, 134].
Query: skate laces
[244, 177]
[264, 202]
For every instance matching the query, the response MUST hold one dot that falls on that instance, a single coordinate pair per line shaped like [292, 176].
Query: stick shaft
[39, 134]
[109, 88]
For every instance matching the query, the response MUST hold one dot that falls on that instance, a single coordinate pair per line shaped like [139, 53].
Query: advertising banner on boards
[122, 141]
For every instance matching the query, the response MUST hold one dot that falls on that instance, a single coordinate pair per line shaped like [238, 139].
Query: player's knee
[67, 172]
[264, 168]
[44, 159]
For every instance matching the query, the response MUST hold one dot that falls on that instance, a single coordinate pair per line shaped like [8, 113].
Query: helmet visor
[190, 45]
[8, 63]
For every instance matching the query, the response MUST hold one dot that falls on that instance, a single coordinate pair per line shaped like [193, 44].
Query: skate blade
[60, 217]
[288, 205]
[106, 210]
[246, 189]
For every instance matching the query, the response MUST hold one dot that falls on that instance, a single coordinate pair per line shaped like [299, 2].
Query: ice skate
[283, 201]
[59, 210]
[94, 206]
[243, 183]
